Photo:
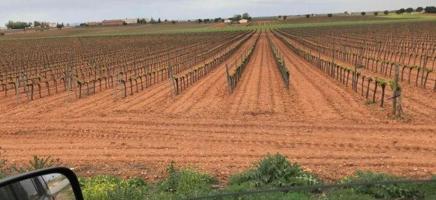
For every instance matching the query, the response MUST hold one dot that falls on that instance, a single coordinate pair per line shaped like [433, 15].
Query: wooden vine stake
[173, 80]
[397, 110]
[228, 78]
[17, 89]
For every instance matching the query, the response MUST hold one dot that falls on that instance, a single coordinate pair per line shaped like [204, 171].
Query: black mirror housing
[67, 173]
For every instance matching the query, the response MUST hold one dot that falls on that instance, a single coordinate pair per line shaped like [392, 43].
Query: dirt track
[317, 123]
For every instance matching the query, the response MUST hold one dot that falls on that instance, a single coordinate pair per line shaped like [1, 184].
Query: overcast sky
[73, 11]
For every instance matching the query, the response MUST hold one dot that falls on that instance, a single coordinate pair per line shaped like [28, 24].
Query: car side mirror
[57, 183]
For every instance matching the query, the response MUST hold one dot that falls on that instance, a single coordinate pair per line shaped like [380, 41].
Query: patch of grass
[128, 193]
[347, 194]
[98, 187]
[392, 191]
[409, 16]
[184, 183]
[271, 172]
[110, 187]
[272, 196]
[137, 30]
[2, 167]
[180, 184]
[428, 190]
[358, 22]
[195, 28]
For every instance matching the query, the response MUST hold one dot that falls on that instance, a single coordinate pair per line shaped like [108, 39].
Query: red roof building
[112, 22]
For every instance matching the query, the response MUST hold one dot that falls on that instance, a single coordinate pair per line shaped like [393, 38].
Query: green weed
[274, 171]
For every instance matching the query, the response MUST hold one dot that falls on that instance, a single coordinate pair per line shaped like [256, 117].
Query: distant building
[131, 21]
[52, 25]
[243, 21]
[116, 22]
[93, 23]
[227, 21]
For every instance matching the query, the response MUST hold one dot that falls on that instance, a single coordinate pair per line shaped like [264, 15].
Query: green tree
[18, 25]
[152, 21]
[375, 13]
[142, 21]
[159, 21]
[401, 11]
[60, 26]
[44, 25]
[218, 19]
[363, 13]
[246, 16]
[419, 9]
[307, 16]
[236, 18]
[430, 9]
[36, 23]
[330, 15]
[409, 10]
[386, 12]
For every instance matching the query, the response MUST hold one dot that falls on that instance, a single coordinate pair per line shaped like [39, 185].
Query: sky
[75, 11]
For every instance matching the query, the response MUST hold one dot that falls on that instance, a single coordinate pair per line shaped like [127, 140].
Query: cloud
[87, 10]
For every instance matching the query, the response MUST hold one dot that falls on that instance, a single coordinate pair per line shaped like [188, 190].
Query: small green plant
[98, 187]
[132, 189]
[185, 183]
[274, 171]
[2, 167]
[36, 163]
[346, 194]
[272, 196]
[388, 191]
[392, 84]
[128, 193]
[110, 187]
[381, 81]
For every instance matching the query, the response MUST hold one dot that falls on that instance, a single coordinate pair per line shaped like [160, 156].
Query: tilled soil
[318, 123]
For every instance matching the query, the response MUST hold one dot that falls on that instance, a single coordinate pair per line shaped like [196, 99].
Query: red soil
[318, 123]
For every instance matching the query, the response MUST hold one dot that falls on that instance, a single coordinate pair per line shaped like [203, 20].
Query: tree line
[236, 17]
[428, 9]
[23, 25]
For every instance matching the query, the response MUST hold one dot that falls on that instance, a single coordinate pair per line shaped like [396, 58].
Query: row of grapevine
[93, 64]
[375, 52]
[185, 79]
[365, 85]
[280, 62]
[187, 66]
[235, 70]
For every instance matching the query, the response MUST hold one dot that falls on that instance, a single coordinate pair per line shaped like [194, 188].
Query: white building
[243, 21]
[52, 25]
[131, 21]
[227, 21]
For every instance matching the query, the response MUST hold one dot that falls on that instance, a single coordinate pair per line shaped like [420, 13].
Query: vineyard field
[217, 101]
